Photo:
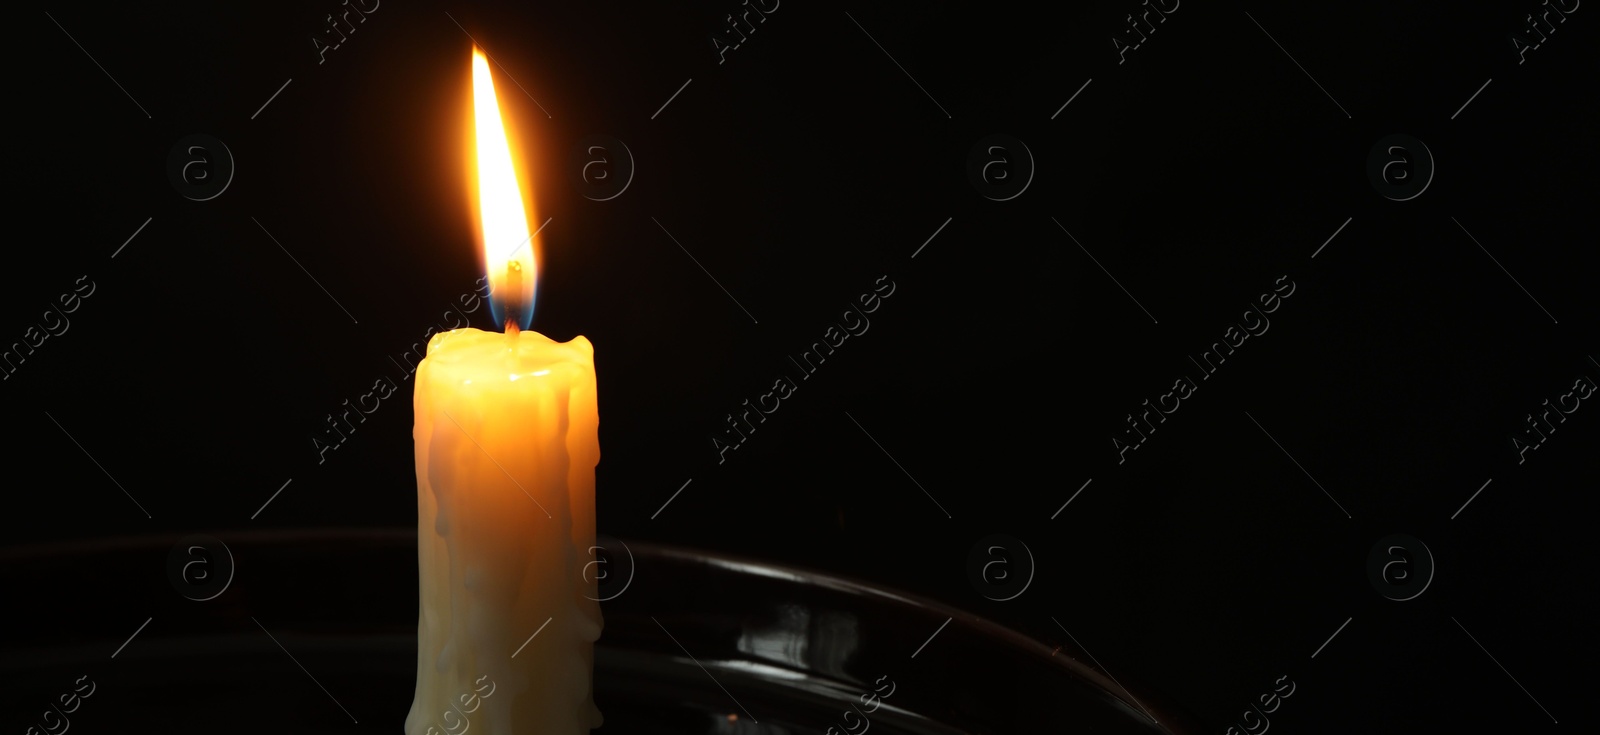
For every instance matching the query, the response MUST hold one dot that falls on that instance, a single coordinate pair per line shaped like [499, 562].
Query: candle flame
[508, 250]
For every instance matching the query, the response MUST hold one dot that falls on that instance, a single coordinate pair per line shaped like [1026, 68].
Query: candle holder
[694, 642]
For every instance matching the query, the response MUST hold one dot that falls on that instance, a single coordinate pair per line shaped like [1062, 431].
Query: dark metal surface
[693, 643]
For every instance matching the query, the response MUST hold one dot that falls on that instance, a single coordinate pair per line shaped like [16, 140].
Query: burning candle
[507, 438]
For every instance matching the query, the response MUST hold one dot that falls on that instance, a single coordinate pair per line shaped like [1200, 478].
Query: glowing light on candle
[508, 251]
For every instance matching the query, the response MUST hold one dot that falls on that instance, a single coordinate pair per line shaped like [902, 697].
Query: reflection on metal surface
[798, 640]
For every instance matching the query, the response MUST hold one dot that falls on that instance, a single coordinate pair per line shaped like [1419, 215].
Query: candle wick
[513, 298]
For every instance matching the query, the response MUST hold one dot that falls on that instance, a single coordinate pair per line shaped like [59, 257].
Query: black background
[797, 172]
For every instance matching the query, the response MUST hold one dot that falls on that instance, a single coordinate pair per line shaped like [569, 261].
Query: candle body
[507, 439]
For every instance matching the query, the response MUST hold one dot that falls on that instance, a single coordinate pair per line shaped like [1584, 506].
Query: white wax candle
[507, 439]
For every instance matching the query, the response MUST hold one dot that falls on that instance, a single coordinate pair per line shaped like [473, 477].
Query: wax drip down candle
[507, 439]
